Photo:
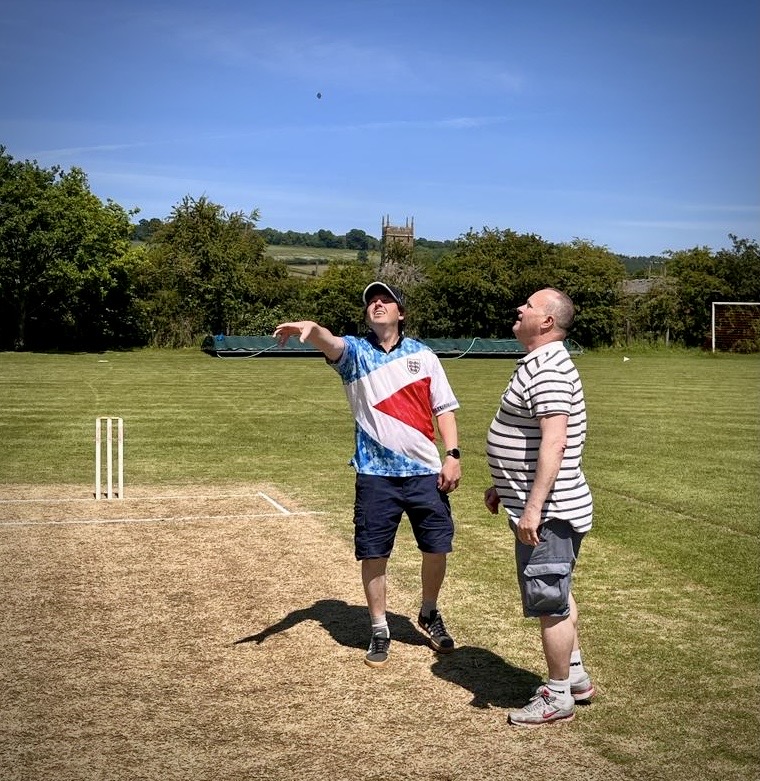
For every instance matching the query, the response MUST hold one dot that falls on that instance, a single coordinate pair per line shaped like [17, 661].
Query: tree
[592, 276]
[397, 267]
[462, 298]
[207, 270]
[65, 281]
[677, 306]
[329, 240]
[698, 282]
[357, 239]
[473, 291]
[334, 299]
[739, 267]
[655, 315]
[146, 228]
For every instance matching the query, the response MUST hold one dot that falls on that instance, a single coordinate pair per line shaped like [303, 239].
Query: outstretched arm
[316, 335]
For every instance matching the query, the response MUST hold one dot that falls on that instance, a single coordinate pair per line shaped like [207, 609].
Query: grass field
[668, 582]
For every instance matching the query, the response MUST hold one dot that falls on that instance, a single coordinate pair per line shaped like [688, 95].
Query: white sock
[380, 625]
[577, 670]
[560, 688]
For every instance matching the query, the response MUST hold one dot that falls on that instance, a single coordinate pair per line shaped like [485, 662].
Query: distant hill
[306, 253]
[641, 265]
[312, 261]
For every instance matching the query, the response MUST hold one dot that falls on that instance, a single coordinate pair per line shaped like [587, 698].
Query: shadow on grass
[491, 680]
[347, 624]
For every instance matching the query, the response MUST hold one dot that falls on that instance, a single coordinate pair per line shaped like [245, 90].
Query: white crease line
[152, 520]
[274, 504]
[133, 498]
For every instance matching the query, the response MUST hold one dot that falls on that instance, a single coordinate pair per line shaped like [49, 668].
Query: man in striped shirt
[534, 448]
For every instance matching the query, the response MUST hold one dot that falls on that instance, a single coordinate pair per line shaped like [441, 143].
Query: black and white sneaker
[435, 629]
[377, 653]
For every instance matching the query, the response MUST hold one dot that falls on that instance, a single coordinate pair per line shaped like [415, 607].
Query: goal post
[735, 325]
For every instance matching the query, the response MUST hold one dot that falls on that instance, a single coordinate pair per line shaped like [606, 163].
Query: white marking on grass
[131, 499]
[274, 504]
[43, 501]
[167, 519]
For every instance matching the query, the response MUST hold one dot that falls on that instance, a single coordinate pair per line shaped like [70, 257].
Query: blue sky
[634, 125]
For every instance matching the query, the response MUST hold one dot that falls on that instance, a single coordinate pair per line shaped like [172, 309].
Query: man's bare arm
[316, 335]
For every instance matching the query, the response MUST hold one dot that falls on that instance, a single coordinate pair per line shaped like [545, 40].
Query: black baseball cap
[381, 287]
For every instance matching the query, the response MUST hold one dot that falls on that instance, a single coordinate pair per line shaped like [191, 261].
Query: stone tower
[399, 234]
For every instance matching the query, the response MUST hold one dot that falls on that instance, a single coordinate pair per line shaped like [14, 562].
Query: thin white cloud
[446, 123]
[73, 151]
[455, 123]
[672, 225]
[331, 58]
[723, 207]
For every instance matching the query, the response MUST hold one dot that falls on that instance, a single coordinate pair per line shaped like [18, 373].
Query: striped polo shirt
[545, 382]
[394, 397]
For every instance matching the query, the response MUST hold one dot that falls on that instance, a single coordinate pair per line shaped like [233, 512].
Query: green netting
[249, 346]
[476, 347]
[252, 346]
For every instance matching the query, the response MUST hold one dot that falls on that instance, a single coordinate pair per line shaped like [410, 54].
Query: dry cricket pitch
[219, 634]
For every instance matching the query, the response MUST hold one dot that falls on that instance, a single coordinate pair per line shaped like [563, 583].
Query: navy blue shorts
[380, 503]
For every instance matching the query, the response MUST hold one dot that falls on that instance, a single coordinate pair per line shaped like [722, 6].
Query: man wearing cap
[396, 388]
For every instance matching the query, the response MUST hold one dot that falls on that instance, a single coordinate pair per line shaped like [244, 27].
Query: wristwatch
[454, 453]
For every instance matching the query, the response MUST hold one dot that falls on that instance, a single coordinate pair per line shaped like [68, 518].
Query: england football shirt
[394, 397]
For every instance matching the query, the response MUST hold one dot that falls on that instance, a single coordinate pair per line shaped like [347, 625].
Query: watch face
[454, 452]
